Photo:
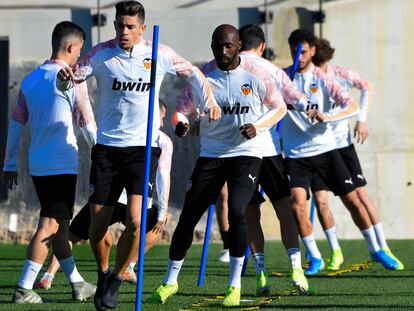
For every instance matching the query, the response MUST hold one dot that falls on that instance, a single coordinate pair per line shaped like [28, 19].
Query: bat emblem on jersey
[349, 181]
[313, 88]
[252, 178]
[246, 89]
[147, 63]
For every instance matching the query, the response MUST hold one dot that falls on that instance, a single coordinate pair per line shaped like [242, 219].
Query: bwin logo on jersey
[313, 88]
[130, 86]
[246, 89]
[236, 109]
[147, 63]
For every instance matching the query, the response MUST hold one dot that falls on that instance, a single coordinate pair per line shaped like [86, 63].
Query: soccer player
[348, 79]
[310, 150]
[53, 159]
[122, 69]
[230, 151]
[272, 177]
[156, 217]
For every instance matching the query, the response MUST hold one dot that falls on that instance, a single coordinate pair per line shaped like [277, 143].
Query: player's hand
[10, 179]
[181, 129]
[195, 129]
[66, 73]
[248, 130]
[361, 131]
[314, 114]
[214, 113]
[159, 226]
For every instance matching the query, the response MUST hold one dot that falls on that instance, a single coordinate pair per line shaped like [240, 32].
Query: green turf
[373, 288]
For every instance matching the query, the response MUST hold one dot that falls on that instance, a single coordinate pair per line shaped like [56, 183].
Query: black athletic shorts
[80, 224]
[115, 168]
[210, 174]
[56, 195]
[329, 167]
[351, 160]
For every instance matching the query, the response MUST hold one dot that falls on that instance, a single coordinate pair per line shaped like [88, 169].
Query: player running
[310, 151]
[156, 215]
[230, 151]
[122, 69]
[272, 177]
[53, 159]
[348, 79]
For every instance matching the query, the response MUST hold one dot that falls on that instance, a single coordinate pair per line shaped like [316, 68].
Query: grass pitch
[373, 288]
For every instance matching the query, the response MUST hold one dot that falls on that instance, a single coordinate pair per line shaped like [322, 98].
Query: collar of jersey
[308, 72]
[239, 67]
[60, 62]
[135, 49]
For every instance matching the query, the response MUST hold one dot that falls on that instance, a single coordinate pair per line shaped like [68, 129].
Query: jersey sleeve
[291, 94]
[363, 85]
[349, 106]
[271, 97]
[83, 113]
[177, 65]
[20, 117]
[163, 178]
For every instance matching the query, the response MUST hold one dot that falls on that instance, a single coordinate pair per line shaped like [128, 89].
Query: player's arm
[292, 96]
[349, 107]
[162, 181]
[85, 119]
[365, 88]
[19, 119]
[273, 100]
[186, 108]
[175, 64]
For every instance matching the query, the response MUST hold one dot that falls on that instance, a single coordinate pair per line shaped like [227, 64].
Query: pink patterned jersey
[123, 80]
[349, 79]
[301, 138]
[246, 94]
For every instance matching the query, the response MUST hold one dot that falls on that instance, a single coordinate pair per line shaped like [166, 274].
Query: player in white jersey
[230, 151]
[310, 151]
[348, 79]
[53, 159]
[272, 177]
[122, 70]
[156, 216]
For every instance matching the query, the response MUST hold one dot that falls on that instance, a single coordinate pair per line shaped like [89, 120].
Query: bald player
[230, 152]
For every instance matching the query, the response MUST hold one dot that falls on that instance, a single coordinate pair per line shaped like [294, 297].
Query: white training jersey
[270, 138]
[349, 79]
[301, 138]
[245, 95]
[123, 80]
[49, 113]
[163, 179]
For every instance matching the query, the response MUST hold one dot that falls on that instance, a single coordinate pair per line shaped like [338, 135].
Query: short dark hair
[62, 31]
[302, 36]
[324, 52]
[251, 37]
[162, 104]
[130, 8]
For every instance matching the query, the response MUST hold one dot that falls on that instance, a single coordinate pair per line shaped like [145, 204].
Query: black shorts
[351, 160]
[273, 178]
[210, 174]
[56, 195]
[115, 168]
[80, 224]
[327, 167]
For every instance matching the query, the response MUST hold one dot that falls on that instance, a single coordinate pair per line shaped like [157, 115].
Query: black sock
[224, 237]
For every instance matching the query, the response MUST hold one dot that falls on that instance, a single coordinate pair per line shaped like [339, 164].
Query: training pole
[140, 274]
[203, 263]
[248, 251]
